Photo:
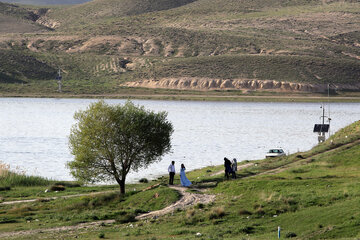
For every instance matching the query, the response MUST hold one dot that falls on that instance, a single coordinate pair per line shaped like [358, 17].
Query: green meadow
[310, 195]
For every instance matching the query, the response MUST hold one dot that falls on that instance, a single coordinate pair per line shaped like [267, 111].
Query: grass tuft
[244, 212]
[216, 213]
[126, 218]
[12, 179]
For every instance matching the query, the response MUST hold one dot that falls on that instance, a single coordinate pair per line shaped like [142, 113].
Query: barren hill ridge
[277, 44]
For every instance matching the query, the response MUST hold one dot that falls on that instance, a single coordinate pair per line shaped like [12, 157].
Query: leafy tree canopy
[108, 141]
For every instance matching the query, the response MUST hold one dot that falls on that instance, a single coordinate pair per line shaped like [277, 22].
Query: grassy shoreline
[203, 96]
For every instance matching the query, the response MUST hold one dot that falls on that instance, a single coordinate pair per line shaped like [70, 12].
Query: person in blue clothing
[183, 179]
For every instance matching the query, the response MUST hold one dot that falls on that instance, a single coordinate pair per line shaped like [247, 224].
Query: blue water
[34, 132]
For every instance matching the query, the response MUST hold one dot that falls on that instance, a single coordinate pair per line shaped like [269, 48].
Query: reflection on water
[33, 133]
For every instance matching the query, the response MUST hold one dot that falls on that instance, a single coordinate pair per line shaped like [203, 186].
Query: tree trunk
[122, 187]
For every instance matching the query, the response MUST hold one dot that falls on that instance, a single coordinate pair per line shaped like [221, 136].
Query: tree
[110, 140]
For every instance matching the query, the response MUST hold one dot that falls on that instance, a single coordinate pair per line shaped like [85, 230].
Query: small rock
[198, 234]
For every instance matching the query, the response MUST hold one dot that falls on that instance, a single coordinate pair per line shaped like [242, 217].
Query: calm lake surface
[34, 132]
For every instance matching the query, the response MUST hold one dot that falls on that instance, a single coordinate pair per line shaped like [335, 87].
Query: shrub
[193, 220]
[68, 184]
[300, 170]
[137, 211]
[244, 212]
[6, 188]
[217, 213]
[21, 210]
[290, 235]
[126, 218]
[102, 199]
[190, 213]
[260, 211]
[101, 235]
[248, 230]
[181, 232]
[57, 188]
[94, 217]
[199, 206]
[7, 220]
[143, 180]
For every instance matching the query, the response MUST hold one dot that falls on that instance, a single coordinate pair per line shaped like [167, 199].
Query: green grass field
[310, 195]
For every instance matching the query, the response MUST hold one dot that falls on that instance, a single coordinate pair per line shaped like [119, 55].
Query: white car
[275, 152]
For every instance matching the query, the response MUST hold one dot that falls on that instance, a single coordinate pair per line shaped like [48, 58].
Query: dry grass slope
[106, 42]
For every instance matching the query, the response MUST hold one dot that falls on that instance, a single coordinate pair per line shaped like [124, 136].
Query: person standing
[183, 179]
[234, 167]
[227, 165]
[171, 170]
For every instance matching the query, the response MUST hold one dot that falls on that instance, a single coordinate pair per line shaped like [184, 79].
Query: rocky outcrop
[239, 84]
[47, 22]
[41, 17]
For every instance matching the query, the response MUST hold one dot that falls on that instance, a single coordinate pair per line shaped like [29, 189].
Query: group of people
[230, 167]
[183, 179]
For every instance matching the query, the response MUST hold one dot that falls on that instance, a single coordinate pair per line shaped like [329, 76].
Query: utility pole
[323, 128]
[59, 78]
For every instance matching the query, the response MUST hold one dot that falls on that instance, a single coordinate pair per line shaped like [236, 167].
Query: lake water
[34, 132]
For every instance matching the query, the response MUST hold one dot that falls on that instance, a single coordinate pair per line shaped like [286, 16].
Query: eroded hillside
[306, 44]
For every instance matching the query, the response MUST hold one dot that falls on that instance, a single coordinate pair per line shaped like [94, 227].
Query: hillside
[311, 43]
[47, 2]
[310, 195]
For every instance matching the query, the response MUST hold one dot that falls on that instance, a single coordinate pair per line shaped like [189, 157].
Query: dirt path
[53, 198]
[56, 229]
[305, 160]
[188, 199]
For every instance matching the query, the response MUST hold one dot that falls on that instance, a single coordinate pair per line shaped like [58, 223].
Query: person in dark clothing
[171, 170]
[228, 169]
